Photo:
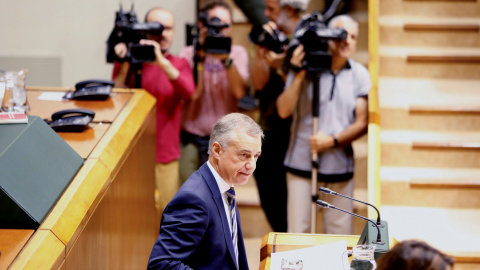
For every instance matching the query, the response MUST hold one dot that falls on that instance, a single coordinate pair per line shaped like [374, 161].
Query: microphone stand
[378, 241]
[329, 191]
[368, 232]
[315, 165]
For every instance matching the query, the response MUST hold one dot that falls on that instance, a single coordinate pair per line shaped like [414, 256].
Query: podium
[278, 242]
[106, 217]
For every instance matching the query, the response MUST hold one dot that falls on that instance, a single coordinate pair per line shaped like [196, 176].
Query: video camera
[215, 42]
[313, 33]
[127, 29]
[275, 41]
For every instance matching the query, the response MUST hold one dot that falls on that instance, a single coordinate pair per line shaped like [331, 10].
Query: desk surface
[12, 241]
[105, 110]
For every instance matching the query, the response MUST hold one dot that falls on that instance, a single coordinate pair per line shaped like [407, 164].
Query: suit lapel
[217, 198]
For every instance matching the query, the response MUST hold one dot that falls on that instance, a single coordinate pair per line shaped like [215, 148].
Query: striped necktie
[233, 215]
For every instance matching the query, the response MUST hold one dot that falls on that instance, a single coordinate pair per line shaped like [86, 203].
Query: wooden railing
[373, 170]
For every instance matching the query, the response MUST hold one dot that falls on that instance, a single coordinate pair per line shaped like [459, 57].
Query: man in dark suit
[201, 225]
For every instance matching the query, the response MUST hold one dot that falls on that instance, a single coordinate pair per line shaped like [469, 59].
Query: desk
[105, 219]
[278, 242]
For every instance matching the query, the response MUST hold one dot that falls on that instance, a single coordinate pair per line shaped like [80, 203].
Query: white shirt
[223, 186]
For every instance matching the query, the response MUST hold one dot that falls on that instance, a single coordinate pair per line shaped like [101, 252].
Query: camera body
[275, 41]
[314, 34]
[128, 30]
[215, 42]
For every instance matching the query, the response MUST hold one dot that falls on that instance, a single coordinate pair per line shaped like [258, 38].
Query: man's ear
[216, 149]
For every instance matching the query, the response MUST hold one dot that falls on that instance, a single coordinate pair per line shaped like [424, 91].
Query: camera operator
[268, 78]
[343, 117]
[169, 79]
[221, 83]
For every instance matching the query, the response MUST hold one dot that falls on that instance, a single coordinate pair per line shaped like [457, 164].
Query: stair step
[441, 27]
[411, 137]
[429, 104]
[444, 58]
[432, 187]
[397, 149]
[448, 145]
[454, 231]
[406, 92]
[429, 31]
[406, 174]
[446, 183]
[430, 62]
[440, 8]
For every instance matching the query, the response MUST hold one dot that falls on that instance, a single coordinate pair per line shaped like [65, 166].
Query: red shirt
[169, 95]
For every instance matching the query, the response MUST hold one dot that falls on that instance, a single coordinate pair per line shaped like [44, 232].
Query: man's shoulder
[355, 65]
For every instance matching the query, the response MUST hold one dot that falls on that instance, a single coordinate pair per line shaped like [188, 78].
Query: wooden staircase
[429, 97]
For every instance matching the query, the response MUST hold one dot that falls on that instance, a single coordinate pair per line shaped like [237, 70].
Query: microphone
[368, 233]
[379, 236]
[329, 191]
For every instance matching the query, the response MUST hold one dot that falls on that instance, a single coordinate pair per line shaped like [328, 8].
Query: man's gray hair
[299, 5]
[342, 18]
[224, 129]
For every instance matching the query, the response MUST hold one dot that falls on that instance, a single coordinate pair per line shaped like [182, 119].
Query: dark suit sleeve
[184, 222]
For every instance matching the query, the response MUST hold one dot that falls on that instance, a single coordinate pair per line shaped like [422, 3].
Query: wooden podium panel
[278, 242]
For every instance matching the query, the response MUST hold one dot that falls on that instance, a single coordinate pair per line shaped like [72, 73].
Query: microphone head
[326, 190]
[324, 204]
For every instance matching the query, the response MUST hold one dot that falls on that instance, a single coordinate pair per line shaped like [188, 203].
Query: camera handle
[315, 75]
[137, 69]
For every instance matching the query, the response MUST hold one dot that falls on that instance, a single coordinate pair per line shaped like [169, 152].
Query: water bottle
[363, 258]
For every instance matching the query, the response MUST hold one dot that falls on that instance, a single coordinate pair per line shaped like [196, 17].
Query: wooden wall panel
[121, 232]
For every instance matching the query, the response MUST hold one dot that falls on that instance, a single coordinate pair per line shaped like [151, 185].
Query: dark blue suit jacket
[194, 233]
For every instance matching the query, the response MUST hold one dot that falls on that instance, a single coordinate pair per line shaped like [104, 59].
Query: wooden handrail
[373, 166]
[444, 58]
[445, 109]
[441, 27]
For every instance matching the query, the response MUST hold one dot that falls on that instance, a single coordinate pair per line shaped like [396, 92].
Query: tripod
[321, 62]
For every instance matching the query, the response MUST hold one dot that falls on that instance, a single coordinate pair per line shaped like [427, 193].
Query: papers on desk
[13, 118]
[329, 256]
[52, 96]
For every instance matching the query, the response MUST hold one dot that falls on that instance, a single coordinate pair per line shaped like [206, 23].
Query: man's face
[224, 15]
[272, 10]
[345, 48]
[166, 19]
[237, 161]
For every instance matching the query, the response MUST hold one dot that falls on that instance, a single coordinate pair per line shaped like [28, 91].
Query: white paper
[52, 96]
[331, 256]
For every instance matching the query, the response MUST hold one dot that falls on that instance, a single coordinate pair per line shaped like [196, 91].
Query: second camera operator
[169, 79]
[343, 117]
[268, 78]
[222, 72]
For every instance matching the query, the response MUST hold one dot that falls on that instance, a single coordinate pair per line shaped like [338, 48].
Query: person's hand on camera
[159, 57]
[120, 50]
[297, 57]
[274, 60]
[171, 71]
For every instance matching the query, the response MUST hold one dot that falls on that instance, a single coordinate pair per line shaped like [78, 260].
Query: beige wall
[62, 42]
